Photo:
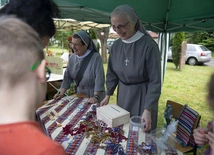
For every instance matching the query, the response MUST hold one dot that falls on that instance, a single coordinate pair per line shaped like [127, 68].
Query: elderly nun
[134, 66]
[85, 68]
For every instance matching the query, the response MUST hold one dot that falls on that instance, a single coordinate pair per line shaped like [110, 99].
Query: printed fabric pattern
[185, 126]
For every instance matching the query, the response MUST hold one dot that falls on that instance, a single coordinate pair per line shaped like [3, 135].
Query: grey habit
[139, 77]
[93, 78]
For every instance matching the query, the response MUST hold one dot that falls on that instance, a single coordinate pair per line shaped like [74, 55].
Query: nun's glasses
[119, 27]
[74, 44]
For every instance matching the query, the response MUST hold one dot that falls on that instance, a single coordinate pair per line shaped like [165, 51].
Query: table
[55, 115]
[56, 77]
[55, 81]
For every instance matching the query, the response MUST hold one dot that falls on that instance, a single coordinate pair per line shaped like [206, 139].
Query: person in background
[71, 51]
[134, 66]
[90, 80]
[22, 89]
[65, 56]
[36, 13]
[205, 136]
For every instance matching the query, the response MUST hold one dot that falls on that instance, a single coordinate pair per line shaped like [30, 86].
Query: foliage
[196, 37]
[202, 38]
[209, 42]
[176, 48]
[92, 34]
[61, 39]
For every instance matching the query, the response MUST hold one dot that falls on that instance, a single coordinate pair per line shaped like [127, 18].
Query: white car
[195, 54]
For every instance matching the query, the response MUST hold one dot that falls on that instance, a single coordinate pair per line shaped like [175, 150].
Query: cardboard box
[113, 115]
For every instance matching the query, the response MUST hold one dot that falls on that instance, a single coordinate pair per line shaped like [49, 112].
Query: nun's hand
[105, 100]
[92, 100]
[146, 119]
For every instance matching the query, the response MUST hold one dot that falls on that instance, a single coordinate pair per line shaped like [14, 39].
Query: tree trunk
[102, 34]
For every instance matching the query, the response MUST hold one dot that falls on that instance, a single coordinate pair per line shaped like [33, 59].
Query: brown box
[113, 115]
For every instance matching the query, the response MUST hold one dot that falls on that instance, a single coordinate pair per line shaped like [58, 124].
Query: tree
[62, 38]
[176, 48]
[209, 42]
[196, 37]
[202, 38]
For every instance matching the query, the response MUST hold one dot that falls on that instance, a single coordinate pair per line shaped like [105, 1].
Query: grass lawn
[187, 87]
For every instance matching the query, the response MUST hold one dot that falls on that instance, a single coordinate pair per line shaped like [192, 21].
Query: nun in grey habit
[134, 66]
[91, 82]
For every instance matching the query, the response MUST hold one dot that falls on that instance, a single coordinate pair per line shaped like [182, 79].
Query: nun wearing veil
[85, 68]
[134, 66]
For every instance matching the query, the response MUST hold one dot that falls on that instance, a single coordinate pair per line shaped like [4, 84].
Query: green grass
[187, 86]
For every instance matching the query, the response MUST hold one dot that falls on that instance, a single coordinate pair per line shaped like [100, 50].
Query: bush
[176, 48]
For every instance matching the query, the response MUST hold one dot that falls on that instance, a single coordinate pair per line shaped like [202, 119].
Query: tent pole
[163, 43]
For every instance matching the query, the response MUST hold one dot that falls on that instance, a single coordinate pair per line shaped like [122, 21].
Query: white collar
[84, 55]
[134, 38]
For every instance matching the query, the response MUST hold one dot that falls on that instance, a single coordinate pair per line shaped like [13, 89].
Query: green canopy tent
[163, 16]
[156, 15]
[2, 2]
[71, 24]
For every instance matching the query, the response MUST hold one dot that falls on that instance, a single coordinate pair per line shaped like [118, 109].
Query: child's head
[210, 95]
[20, 49]
[37, 13]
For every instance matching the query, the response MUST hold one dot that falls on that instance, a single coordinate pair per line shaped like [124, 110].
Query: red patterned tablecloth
[72, 110]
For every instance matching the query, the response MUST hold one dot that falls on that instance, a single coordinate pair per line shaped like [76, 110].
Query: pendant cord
[125, 53]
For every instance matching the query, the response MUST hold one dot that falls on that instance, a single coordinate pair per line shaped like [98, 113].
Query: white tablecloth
[56, 77]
